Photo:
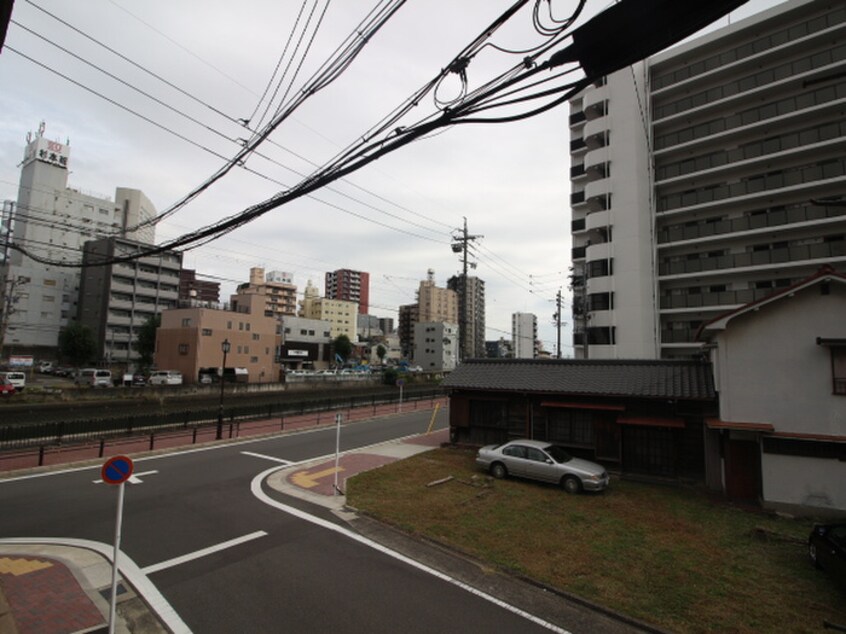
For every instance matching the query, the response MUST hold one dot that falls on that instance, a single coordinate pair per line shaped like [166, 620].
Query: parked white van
[18, 379]
[165, 377]
[93, 377]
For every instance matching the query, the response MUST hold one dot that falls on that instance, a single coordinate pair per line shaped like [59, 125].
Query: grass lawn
[674, 557]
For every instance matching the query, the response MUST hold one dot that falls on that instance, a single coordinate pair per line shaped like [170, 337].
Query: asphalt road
[298, 576]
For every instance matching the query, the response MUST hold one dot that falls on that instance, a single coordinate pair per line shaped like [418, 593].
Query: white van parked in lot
[165, 377]
[93, 377]
[18, 379]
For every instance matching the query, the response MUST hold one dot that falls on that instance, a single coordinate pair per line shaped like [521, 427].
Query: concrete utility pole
[11, 293]
[460, 246]
[558, 322]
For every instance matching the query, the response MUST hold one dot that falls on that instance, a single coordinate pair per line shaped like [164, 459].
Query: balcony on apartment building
[806, 253]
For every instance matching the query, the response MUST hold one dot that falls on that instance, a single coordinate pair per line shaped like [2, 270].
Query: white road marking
[202, 553]
[133, 479]
[274, 459]
[129, 570]
[256, 487]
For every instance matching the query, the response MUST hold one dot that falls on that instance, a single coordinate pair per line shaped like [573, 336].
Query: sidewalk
[61, 589]
[315, 482]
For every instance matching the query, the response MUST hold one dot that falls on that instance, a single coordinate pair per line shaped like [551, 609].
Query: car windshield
[559, 454]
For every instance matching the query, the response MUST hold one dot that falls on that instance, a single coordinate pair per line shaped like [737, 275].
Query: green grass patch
[675, 557]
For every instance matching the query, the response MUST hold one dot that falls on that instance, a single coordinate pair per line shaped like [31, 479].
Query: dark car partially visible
[827, 549]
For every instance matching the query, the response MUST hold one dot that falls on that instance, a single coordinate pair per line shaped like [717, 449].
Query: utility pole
[10, 296]
[459, 245]
[558, 321]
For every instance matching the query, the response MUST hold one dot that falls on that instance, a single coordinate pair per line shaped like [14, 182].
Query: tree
[76, 343]
[381, 352]
[145, 344]
[342, 346]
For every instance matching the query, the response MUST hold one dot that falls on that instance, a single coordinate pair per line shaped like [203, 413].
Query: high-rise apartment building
[274, 295]
[350, 286]
[471, 315]
[524, 334]
[116, 300]
[700, 179]
[434, 304]
[52, 220]
[193, 290]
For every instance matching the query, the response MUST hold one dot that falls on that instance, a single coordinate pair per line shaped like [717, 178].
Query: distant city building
[116, 300]
[52, 220]
[350, 286]
[500, 349]
[436, 346]
[473, 322]
[524, 333]
[368, 328]
[190, 340]
[305, 344]
[192, 289]
[342, 315]
[273, 296]
[434, 304]
[700, 180]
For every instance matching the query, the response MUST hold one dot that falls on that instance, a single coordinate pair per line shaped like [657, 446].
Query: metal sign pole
[118, 520]
[337, 449]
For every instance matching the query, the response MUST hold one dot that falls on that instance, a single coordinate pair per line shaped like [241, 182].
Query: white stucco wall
[796, 480]
[771, 369]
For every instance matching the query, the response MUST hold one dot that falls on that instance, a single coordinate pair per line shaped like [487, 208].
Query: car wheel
[498, 470]
[812, 555]
[571, 484]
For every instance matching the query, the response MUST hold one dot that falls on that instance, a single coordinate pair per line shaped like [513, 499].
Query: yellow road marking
[20, 567]
[309, 480]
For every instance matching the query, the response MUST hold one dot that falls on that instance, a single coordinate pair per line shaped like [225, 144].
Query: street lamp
[225, 346]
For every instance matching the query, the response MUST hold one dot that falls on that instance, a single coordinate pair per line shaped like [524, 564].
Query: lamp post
[225, 346]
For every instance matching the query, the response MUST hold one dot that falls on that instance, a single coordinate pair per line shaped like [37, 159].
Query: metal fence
[87, 429]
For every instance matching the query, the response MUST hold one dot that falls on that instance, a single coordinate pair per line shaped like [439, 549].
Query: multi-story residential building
[193, 290]
[350, 286]
[501, 349]
[700, 179]
[524, 334]
[273, 296]
[434, 304]
[436, 346]
[305, 343]
[471, 315]
[115, 300]
[341, 315]
[52, 220]
[190, 340]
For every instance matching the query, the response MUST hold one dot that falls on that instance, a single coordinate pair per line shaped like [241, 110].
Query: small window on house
[255, 337]
[240, 325]
[253, 359]
[183, 348]
[838, 369]
[229, 325]
[207, 332]
[186, 322]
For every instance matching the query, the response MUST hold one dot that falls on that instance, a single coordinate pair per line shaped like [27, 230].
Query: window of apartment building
[48, 298]
[49, 282]
[311, 332]
[255, 337]
[183, 348]
[240, 325]
[253, 359]
[303, 331]
[287, 331]
[239, 350]
[229, 325]
[247, 326]
[207, 332]
[186, 322]
[327, 333]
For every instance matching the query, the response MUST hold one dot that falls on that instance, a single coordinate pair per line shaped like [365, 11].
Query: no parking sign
[117, 470]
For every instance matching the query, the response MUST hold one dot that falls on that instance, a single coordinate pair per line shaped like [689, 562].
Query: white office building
[53, 220]
[436, 346]
[524, 334]
[707, 176]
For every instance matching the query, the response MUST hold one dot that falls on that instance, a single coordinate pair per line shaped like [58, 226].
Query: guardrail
[75, 444]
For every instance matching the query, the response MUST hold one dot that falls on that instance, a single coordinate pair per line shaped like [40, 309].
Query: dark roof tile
[633, 378]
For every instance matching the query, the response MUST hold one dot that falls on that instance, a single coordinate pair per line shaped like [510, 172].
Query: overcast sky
[509, 180]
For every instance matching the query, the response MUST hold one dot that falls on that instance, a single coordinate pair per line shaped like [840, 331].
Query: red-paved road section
[44, 597]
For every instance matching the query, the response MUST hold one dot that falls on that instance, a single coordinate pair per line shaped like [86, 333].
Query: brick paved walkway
[45, 597]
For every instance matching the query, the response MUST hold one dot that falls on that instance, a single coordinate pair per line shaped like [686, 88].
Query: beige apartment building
[341, 315]
[190, 339]
[273, 295]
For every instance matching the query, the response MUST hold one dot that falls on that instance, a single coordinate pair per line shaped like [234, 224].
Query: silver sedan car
[539, 460]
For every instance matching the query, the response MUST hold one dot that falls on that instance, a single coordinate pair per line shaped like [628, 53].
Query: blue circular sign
[117, 470]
